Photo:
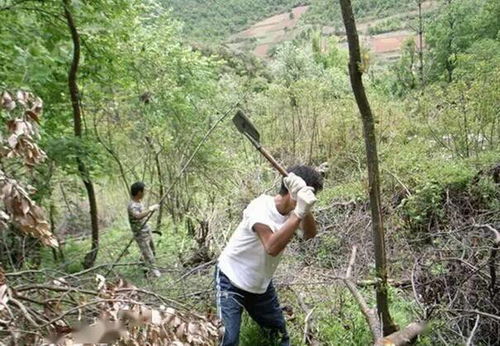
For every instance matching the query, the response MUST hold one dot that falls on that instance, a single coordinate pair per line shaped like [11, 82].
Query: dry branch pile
[68, 310]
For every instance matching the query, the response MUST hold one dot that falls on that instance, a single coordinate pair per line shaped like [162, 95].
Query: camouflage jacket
[134, 209]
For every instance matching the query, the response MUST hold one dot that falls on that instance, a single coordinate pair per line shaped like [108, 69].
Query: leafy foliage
[148, 100]
[455, 27]
[328, 12]
[216, 19]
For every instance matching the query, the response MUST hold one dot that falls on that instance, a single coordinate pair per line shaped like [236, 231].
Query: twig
[471, 336]
[199, 267]
[307, 327]
[156, 295]
[307, 321]
[54, 288]
[485, 314]
[408, 193]
[493, 255]
[174, 182]
[102, 266]
[21, 307]
[371, 318]
[351, 202]
[413, 287]
[95, 302]
[495, 231]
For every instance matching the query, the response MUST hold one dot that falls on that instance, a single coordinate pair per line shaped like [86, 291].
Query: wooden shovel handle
[273, 162]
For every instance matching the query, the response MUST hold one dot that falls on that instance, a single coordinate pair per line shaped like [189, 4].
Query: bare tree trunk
[372, 161]
[160, 181]
[421, 44]
[114, 155]
[450, 63]
[91, 256]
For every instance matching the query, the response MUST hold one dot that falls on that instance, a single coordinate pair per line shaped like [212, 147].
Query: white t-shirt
[244, 260]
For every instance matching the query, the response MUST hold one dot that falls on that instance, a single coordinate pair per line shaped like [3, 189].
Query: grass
[173, 244]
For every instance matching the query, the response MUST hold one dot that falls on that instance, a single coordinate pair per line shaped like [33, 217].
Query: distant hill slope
[327, 12]
[383, 29]
[214, 20]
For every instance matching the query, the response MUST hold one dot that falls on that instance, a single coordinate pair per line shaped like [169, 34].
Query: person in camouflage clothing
[137, 215]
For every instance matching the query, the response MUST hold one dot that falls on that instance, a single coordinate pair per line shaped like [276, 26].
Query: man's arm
[138, 215]
[308, 225]
[275, 242]
[141, 215]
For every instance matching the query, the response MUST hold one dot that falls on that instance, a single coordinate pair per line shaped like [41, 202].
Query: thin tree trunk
[160, 182]
[114, 155]
[421, 44]
[449, 64]
[373, 170]
[91, 256]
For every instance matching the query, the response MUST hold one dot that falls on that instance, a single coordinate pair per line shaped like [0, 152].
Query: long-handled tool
[245, 126]
[172, 184]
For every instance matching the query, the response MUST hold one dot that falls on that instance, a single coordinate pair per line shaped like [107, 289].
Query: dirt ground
[389, 42]
[265, 34]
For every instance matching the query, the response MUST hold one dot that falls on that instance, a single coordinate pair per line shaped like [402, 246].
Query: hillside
[383, 36]
[142, 200]
[214, 20]
[260, 26]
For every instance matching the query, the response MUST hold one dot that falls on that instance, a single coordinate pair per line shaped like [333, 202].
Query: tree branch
[370, 315]
[403, 337]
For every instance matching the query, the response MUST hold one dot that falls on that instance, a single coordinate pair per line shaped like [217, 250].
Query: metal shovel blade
[245, 126]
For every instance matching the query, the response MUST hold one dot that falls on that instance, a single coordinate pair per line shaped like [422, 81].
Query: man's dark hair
[310, 175]
[136, 188]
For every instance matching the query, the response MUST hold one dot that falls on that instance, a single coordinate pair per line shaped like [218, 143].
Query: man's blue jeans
[262, 308]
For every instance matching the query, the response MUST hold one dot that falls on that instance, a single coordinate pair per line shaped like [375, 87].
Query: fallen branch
[370, 315]
[26, 314]
[403, 337]
[471, 336]
[156, 295]
[54, 288]
[307, 328]
[493, 255]
[477, 312]
[308, 338]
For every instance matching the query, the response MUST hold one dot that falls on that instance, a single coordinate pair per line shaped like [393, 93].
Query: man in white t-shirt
[246, 265]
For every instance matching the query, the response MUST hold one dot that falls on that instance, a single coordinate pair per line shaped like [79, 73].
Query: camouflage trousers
[145, 242]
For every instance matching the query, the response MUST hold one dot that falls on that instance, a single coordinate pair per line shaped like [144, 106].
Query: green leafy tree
[457, 25]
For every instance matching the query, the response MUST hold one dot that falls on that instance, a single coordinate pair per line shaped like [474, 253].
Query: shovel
[245, 126]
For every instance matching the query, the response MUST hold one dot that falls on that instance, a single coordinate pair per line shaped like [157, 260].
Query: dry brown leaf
[7, 102]
[23, 212]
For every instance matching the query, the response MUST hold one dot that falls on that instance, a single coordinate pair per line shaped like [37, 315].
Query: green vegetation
[149, 100]
[215, 20]
[328, 12]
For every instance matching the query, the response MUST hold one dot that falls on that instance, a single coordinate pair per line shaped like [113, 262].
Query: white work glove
[305, 202]
[293, 184]
[153, 207]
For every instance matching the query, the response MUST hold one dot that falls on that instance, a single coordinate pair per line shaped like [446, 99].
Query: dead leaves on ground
[124, 320]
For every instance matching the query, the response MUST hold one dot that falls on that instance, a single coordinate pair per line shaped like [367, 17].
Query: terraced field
[261, 37]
